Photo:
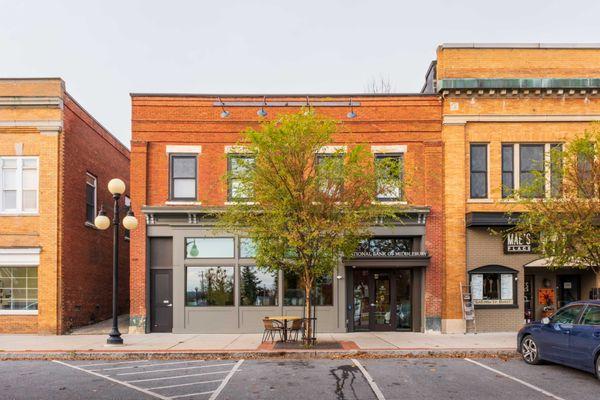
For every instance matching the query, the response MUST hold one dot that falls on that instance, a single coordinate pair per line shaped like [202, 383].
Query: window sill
[231, 203]
[182, 203]
[19, 214]
[18, 312]
[389, 202]
[484, 201]
[494, 306]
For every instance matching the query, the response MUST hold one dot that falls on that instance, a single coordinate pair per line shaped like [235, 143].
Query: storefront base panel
[433, 324]
[453, 326]
[18, 324]
[499, 320]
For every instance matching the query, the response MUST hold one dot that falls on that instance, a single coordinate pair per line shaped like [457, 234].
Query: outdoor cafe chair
[271, 328]
[297, 326]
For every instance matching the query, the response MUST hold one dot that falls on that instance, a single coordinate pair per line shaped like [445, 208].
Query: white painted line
[226, 380]
[184, 384]
[178, 376]
[190, 394]
[149, 393]
[370, 380]
[529, 385]
[173, 369]
[111, 363]
[147, 365]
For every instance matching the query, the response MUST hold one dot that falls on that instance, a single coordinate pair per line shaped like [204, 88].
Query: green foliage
[306, 209]
[567, 218]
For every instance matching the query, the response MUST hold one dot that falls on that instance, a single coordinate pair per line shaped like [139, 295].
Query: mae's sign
[518, 242]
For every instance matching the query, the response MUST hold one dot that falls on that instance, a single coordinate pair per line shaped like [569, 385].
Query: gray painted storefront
[168, 227]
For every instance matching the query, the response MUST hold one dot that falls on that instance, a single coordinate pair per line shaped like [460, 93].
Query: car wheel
[598, 366]
[530, 350]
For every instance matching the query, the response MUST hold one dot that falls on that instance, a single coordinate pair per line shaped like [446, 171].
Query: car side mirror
[545, 320]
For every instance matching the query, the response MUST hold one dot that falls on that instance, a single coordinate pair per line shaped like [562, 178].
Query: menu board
[506, 287]
[477, 286]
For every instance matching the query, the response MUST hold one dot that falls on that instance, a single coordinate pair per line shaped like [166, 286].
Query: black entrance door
[381, 299]
[568, 289]
[161, 300]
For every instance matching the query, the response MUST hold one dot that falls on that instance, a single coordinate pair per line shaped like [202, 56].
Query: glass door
[381, 306]
[361, 300]
[403, 300]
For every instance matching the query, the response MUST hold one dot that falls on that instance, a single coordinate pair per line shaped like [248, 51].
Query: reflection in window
[247, 248]
[389, 168]
[567, 315]
[183, 177]
[258, 287]
[209, 286]
[386, 246]
[532, 165]
[591, 316]
[478, 171]
[209, 247]
[293, 294]
[239, 187]
[18, 288]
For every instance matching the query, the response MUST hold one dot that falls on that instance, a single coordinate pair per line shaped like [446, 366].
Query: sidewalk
[249, 345]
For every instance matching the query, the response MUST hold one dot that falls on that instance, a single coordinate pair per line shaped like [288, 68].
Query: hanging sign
[518, 242]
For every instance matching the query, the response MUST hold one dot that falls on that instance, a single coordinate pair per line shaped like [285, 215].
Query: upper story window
[524, 164]
[183, 177]
[238, 165]
[389, 169]
[19, 185]
[328, 165]
[479, 171]
[91, 184]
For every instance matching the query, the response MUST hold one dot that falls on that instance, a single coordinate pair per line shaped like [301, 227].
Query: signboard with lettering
[391, 253]
[518, 242]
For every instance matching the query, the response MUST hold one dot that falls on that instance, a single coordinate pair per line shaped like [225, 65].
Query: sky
[106, 49]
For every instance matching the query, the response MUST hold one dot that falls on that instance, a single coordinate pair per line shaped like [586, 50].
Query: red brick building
[55, 164]
[182, 146]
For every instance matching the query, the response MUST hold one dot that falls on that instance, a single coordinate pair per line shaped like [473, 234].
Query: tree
[379, 85]
[250, 285]
[563, 210]
[308, 209]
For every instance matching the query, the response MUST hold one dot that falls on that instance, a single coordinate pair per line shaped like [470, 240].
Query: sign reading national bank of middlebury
[392, 253]
[518, 242]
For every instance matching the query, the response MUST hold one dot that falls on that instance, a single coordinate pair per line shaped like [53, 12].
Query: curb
[252, 354]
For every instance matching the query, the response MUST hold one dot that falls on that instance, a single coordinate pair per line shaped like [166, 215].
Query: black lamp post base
[114, 338]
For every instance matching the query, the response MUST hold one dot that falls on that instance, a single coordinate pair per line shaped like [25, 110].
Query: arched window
[494, 286]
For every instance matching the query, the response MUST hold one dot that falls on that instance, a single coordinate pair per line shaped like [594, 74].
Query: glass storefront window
[258, 287]
[209, 286]
[247, 248]
[293, 294]
[18, 289]
[395, 246]
[492, 288]
[209, 247]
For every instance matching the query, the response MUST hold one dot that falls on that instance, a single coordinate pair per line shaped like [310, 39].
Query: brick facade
[39, 118]
[158, 121]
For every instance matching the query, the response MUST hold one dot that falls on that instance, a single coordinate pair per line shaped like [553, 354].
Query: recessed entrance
[381, 299]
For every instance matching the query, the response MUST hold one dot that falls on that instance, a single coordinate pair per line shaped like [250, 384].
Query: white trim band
[463, 119]
[332, 149]
[17, 257]
[184, 149]
[399, 148]
[236, 149]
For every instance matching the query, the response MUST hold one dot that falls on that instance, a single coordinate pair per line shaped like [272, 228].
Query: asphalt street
[440, 378]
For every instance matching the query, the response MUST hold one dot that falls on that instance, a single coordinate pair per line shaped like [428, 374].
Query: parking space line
[370, 380]
[184, 384]
[226, 380]
[145, 391]
[173, 369]
[190, 394]
[176, 377]
[147, 365]
[112, 363]
[529, 385]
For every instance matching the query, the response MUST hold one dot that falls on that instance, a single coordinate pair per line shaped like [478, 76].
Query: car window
[591, 316]
[567, 315]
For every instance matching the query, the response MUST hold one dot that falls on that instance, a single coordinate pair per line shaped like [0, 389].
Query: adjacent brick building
[182, 146]
[504, 108]
[56, 160]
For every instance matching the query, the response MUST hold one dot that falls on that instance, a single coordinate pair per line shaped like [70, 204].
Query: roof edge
[303, 95]
[519, 46]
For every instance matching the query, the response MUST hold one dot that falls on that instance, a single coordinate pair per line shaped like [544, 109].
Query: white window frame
[19, 186]
[21, 257]
[90, 175]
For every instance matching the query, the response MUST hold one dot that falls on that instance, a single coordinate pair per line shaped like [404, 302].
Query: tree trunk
[308, 328]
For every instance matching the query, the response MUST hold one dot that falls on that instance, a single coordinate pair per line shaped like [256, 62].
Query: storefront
[202, 280]
[510, 284]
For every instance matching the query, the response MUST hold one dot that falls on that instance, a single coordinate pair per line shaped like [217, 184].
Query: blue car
[570, 337]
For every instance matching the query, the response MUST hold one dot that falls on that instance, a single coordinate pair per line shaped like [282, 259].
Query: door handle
[169, 305]
[166, 301]
[597, 334]
[372, 304]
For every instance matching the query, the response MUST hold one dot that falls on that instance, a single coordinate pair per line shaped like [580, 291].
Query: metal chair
[271, 327]
[296, 328]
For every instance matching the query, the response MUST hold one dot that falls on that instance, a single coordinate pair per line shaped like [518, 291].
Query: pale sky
[106, 49]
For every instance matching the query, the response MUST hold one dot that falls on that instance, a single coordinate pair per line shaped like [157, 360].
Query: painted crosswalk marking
[117, 372]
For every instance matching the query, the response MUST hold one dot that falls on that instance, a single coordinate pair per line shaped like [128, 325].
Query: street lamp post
[116, 187]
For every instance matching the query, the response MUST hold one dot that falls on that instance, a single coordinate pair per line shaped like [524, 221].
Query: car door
[584, 339]
[554, 337]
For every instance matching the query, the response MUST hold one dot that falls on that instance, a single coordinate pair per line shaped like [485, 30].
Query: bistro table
[284, 319]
